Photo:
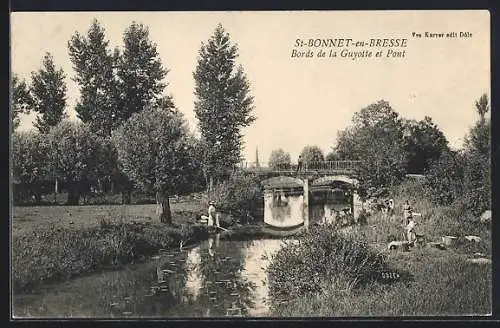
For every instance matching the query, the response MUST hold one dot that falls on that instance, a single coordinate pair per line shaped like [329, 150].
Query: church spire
[257, 164]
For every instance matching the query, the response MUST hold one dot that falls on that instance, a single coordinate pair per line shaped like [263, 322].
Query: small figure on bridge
[299, 164]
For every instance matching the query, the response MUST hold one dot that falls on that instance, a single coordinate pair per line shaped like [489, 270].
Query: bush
[240, 195]
[322, 256]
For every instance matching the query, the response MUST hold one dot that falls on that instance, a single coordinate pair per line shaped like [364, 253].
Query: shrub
[322, 255]
[240, 195]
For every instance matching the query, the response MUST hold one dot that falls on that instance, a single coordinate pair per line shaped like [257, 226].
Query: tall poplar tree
[140, 72]
[94, 64]
[48, 92]
[223, 104]
[21, 101]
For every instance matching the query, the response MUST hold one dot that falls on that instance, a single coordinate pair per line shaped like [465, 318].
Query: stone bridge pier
[287, 199]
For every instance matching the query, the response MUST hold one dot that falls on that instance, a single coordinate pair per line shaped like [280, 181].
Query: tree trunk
[205, 175]
[56, 191]
[210, 187]
[112, 187]
[126, 199]
[99, 186]
[73, 196]
[38, 196]
[163, 208]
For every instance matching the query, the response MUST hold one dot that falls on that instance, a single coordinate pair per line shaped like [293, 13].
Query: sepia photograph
[250, 164]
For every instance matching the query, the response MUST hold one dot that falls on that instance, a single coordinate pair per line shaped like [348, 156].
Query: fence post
[305, 208]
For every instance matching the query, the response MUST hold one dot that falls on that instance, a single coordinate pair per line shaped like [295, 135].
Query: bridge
[288, 189]
[322, 168]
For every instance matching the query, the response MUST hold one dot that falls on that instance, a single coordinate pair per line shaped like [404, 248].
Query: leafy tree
[223, 105]
[154, 152]
[346, 147]
[424, 142]
[482, 106]
[31, 162]
[477, 175]
[94, 65]
[444, 178]
[312, 156]
[478, 139]
[332, 156]
[465, 177]
[80, 157]
[279, 159]
[140, 72]
[48, 91]
[376, 139]
[194, 178]
[477, 182]
[20, 98]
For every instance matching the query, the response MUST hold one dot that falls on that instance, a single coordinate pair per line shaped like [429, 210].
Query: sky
[297, 101]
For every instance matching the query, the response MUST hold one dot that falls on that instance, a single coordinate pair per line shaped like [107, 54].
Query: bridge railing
[306, 166]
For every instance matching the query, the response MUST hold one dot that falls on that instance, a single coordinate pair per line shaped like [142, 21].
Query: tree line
[130, 133]
[388, 147]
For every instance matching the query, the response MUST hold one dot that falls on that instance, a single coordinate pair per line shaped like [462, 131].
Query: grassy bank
[58, 253]
[449, 286]
[52, 243]
[421, 282]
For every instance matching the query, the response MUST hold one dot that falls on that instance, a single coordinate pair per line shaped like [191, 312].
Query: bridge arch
[282, 182]
[328, 180]
[284, 201]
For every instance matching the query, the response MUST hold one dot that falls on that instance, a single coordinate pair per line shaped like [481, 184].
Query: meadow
[28, 218]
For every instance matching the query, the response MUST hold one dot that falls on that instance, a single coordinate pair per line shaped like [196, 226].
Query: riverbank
[424, 281]
[58, 253]
[52, 244]
[55, 243]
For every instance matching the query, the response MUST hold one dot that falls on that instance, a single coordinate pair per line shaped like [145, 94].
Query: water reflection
[194, 280]
[329, 206]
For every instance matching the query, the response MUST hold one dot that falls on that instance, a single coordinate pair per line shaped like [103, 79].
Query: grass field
[27, 218]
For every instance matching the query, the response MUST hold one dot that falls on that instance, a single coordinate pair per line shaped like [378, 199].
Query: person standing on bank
[390, 207]
[406, 212]
[212, 215]
[410, 233]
